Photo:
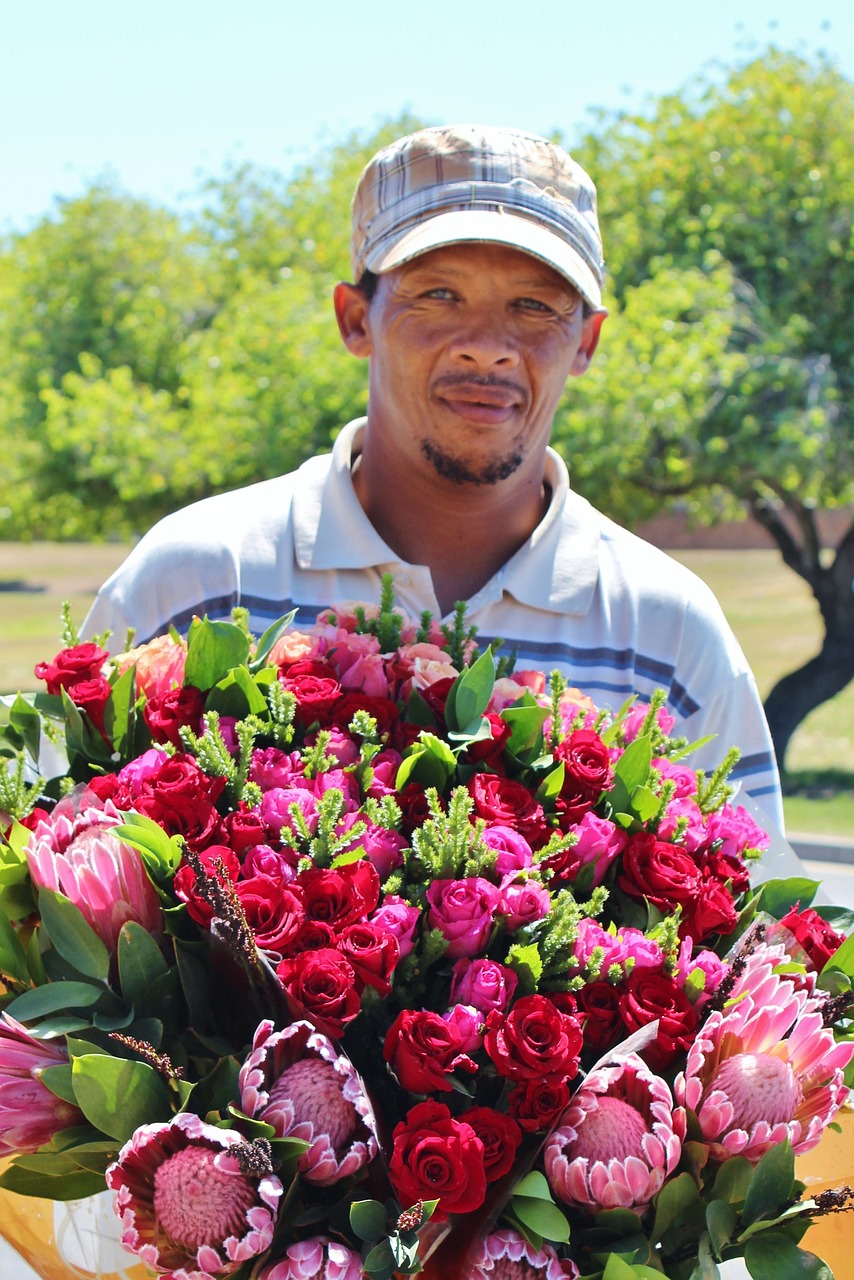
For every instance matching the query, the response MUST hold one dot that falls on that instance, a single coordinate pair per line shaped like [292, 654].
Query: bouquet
[354, 952]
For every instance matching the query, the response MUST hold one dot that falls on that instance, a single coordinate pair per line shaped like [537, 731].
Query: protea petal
[506, 1255]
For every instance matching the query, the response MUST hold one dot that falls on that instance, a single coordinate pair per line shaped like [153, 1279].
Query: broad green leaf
[706, 1268]
[369, 1219]
[141, 962]
[269, 637]
[52, 998]
[618, 1269]
[526, 719]
[779, 896]
[380, 1257]
[429, 762]
[58, 1080]
[543, 1217]
[237, 695]
[527, 963]
[24, 718]
[674, 1198]
[774, 1256]
[117, 1095]
[72, 937]
[534, 1186]
[470, 692]
[843, 959]
[75, 1186]
[213, 648]
[119, 711]
[733, 1180]
[551, 785]
[13, 958]
[771, 1185]
[721, 1218]
[161, 853]
[645, 803]
[634, 764]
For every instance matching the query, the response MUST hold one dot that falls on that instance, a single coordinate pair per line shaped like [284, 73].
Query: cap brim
[486, 226]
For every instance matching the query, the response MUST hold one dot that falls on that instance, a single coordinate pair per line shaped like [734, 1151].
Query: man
[478, 267]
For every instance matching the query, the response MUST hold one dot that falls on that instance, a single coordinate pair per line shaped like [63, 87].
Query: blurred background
[174, 213]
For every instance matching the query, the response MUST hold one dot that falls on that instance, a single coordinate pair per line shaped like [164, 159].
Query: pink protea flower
[29, 1113]
[77, 854]
[316, 1259]
[765, 1069]
[295, 1081]
[186, 1207]
[619, 1139]
[506, 1255]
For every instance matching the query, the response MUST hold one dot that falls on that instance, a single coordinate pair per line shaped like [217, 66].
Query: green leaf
[527, 963]
[75, 940]
[672, 1201]
[119, 711]
[721, 1218]
[843, 959]
[161, 853]
[117, 1095]
[58, 1080]
[777, 897]
[634, 764]
[53, 997]
[269, 637]
[542, 1216]
[771, 1185]
[645, 803]
[380, 1257]
[534, 1186]
[213, 648]
[733, 1180]
[526, 719]
[429, 762]
[774, 1256]
[369, 1219]
[706, 1268]
[75, 1186]
[470, 693]
[237, 695]
[24, 718]
[141, 962]
[550, 787]
[13, 958]
[618, 1269]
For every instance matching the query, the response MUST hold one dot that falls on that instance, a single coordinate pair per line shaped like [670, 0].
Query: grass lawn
[768, 606]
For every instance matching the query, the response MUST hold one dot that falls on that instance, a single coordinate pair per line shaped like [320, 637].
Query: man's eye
[440, 293]
[533, 304]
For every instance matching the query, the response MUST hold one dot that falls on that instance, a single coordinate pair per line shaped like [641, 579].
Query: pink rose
[399, 919]
[462, 910]
[159, 665]
[522, 901]
[294, 646]
[484, 984]
[599, 843]
[694, 835]
[637, 715]
[514, 852]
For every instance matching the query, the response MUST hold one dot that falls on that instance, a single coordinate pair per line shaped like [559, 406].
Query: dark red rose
[729, 869]
[91, 696]
[537, 1104]
[315, 686]
[383, 710]
[243, 829]
[664, 873]
[106, 786]
[437, 1157]
[599, 1014]
[587, 773]
[436, 695]
[181, 799]
[322, 987]
[221, 863]
[533, 1041]
[372, 951]
[489, 750]
[404, 734]
[274, 911]
[712, 911]
[422, 1051]
[413, 807]
[312, 935]
[500, 1135]
[166, 714]
[649, 996]
[341, 897]
[815, 935]
[503, 802]
[70, 666]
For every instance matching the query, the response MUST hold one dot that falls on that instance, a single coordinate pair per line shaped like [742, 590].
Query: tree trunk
[832, 668]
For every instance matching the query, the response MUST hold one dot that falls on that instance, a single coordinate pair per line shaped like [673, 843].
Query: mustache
[481, 382]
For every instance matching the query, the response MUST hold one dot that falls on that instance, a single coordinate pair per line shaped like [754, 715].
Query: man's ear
[351, 312]
[589, 342]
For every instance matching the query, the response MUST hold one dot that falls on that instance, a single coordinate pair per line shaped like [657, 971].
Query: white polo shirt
[615, 615]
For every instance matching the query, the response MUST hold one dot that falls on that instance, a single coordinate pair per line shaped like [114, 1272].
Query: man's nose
[486, 343]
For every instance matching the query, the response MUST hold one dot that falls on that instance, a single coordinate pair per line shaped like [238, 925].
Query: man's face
[470, 347]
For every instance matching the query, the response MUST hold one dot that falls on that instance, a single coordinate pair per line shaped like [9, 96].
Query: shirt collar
[556, 569]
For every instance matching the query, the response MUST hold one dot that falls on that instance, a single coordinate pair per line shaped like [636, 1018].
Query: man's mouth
[480, 402]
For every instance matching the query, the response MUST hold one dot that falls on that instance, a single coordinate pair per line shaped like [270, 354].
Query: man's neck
[464, 533]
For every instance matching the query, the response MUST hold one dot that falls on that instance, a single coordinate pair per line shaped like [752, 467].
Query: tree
[728, 212]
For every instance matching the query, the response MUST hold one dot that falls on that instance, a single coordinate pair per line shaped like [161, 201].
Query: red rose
[372, 951]
[274, 911]
[322, 987]
[662, 872]
[712, 911]
[503, 802]
[243, 829]
[533, 1041]
[91, 696]
[70, 666]
[316, 689]
[599, 1013]
[649, 996]
[220, 862]
[438, 1157]
[436, 695]
[587, 773]
[181, 799]
[423, 1049]
[815, 935]
[500, 1135]
[537, 1104]
[166, 714]
[383, 710]
[343, 896]
[312, 935]
[489, 750]
[413, 807]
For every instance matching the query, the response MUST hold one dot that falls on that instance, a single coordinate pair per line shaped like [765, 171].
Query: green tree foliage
[727, 370]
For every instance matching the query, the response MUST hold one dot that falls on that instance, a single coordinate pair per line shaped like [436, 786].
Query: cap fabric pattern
[459, 183]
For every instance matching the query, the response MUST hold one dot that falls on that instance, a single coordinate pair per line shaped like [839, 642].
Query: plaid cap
[459, 183]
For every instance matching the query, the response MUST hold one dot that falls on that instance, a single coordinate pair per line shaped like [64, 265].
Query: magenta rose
[522, 901]
[485, 984]
[513, 851]
[463, 911]
[599, 843]
[436, 1157]
[397, 917]
[535, 1040]
[272, 768]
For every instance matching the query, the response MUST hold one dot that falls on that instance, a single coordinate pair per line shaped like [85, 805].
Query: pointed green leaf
[534, 1186]
[771, 1185]
[706, 1268]
[779, 896]
[673, 1199]
[268, 639]
[550, 787]
[52, 998]
[645, 803]
[471, 691]
[58, 1080]
[721, 1218]
[141, 962]
[161, 853]
[774, 1256]
[117, 1095]
[24, 718]
[119, 712]
[75, 940]
[526, 719]
[75, 1186]
[13, 959]
[543, 1217]
[733, 1180]
[843, 959]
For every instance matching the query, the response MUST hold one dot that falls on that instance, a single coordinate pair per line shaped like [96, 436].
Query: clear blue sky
[163, 93]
